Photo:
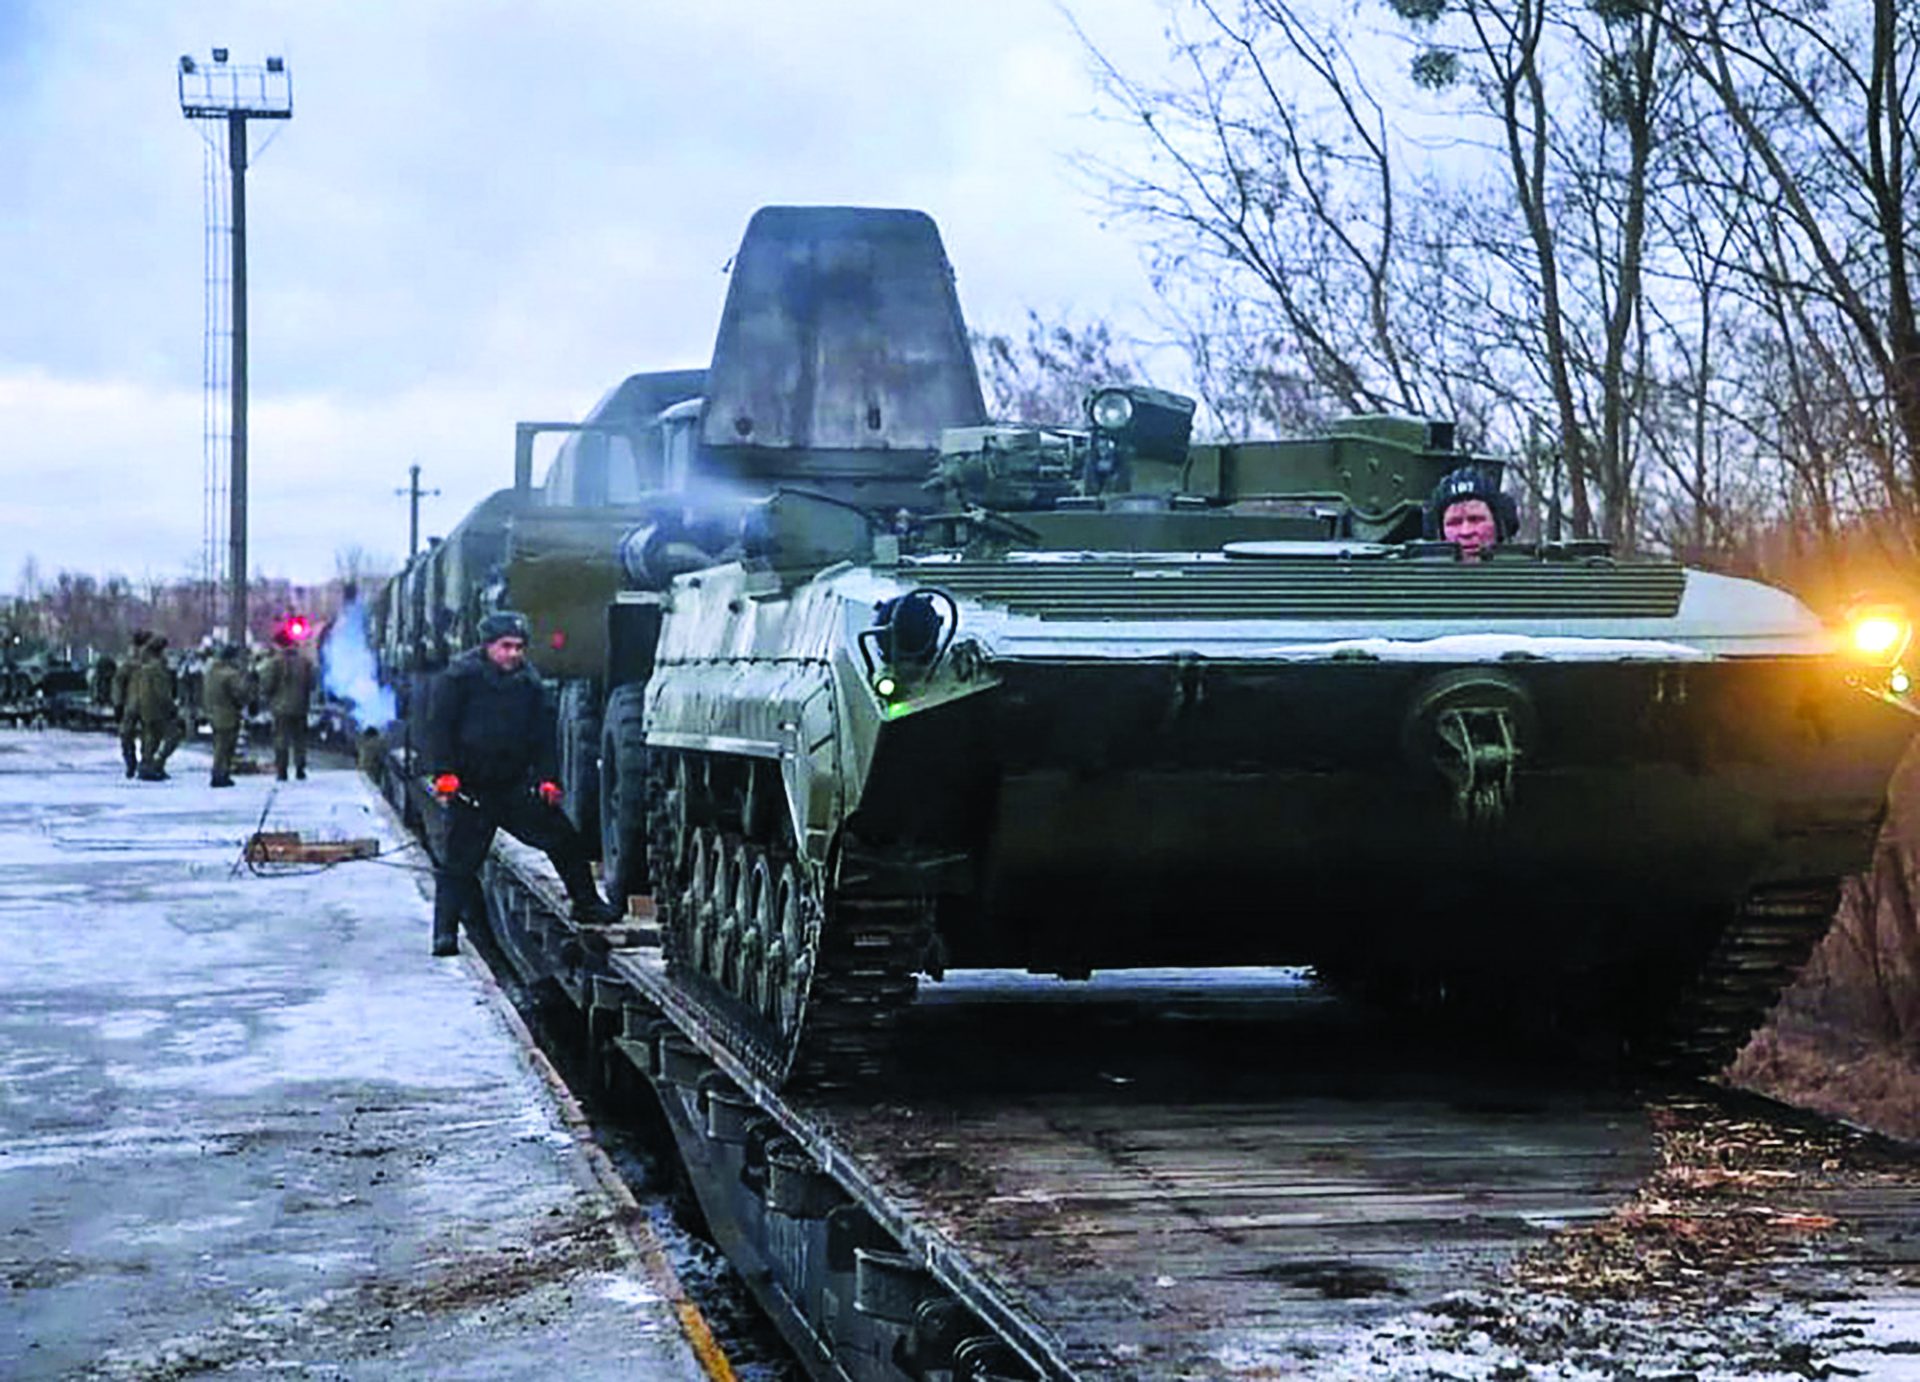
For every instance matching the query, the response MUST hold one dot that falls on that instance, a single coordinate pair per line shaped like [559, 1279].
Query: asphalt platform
[247, 1125]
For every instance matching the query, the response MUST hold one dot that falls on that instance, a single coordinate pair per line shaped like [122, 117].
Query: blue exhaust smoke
[348, 671]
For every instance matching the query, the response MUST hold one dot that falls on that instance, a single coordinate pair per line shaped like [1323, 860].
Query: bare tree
[1823, 99]
[1271, 192]
[356, 567]
[1570, 97]
[1044, 376]
[1483, 256]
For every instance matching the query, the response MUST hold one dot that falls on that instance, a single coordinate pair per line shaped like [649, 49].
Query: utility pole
[414, 494]
[233, 95]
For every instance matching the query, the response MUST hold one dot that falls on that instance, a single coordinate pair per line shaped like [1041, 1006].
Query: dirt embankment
[1845, 1040]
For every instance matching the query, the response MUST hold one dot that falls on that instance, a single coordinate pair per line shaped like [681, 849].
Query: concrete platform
[247, 1124]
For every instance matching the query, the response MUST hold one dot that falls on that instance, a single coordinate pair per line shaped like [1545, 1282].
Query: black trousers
[471, 820]
[290, 739]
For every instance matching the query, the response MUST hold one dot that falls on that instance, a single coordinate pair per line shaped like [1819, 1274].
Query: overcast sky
[480, 212]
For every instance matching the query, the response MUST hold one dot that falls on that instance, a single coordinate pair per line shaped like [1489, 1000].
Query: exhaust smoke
[348, 670]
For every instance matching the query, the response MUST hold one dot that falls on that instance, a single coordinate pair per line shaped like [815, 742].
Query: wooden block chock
[287, 847]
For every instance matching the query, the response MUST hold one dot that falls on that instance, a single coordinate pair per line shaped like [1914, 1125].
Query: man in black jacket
[490, 752]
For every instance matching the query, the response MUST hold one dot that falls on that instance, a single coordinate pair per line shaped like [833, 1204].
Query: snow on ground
[246, 1121]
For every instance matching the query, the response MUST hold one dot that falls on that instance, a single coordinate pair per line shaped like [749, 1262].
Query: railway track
[1240, 1178]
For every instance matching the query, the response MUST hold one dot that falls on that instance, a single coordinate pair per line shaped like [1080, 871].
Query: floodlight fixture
[223, 90]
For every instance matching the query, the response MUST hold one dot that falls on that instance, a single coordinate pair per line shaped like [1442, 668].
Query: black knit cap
[504, 623]
[1480, 482]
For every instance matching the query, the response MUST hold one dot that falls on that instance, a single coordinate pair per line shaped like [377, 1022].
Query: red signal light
[297, 628]
[559, 639]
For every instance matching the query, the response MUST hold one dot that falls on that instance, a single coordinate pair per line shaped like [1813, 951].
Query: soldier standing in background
[100, 685]
[123, 700]
[153, 692]
[225, 691]
[287, 685]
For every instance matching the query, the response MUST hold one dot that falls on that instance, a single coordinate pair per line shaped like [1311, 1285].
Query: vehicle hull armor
[1206, 777]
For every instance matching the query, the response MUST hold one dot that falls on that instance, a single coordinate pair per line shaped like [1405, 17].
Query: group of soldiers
[146, 697]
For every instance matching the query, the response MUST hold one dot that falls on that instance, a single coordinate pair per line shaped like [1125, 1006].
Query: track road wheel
[789, 970]
[686, 916]
[762, 926]
[719, 909]
[623, 795]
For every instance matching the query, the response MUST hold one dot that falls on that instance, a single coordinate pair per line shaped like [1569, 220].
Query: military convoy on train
[861, 687]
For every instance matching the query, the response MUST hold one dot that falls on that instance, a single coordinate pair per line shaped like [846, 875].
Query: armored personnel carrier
[1105, 699]
[861, 688]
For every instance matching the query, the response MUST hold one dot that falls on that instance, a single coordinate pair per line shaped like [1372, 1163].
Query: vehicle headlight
[1878, 633]
[1110, 409]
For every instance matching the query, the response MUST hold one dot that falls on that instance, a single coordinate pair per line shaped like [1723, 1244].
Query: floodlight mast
[218, 90]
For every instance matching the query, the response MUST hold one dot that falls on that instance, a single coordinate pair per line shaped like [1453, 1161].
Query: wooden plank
[289, 847]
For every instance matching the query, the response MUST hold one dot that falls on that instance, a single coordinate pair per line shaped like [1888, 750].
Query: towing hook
[1473, 727]
[1479, 762]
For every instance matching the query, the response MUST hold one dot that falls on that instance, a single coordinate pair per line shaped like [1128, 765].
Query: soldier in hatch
[1469, 510]
[491, 756]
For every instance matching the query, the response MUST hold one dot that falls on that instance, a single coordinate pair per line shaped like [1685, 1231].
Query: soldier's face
[507, 653]
[1469, 525]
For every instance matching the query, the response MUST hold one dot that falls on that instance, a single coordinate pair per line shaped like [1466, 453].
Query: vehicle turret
[1367, 479]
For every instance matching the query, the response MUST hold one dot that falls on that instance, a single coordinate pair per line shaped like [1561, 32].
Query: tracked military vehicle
[861, 688]
[1109, 700]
